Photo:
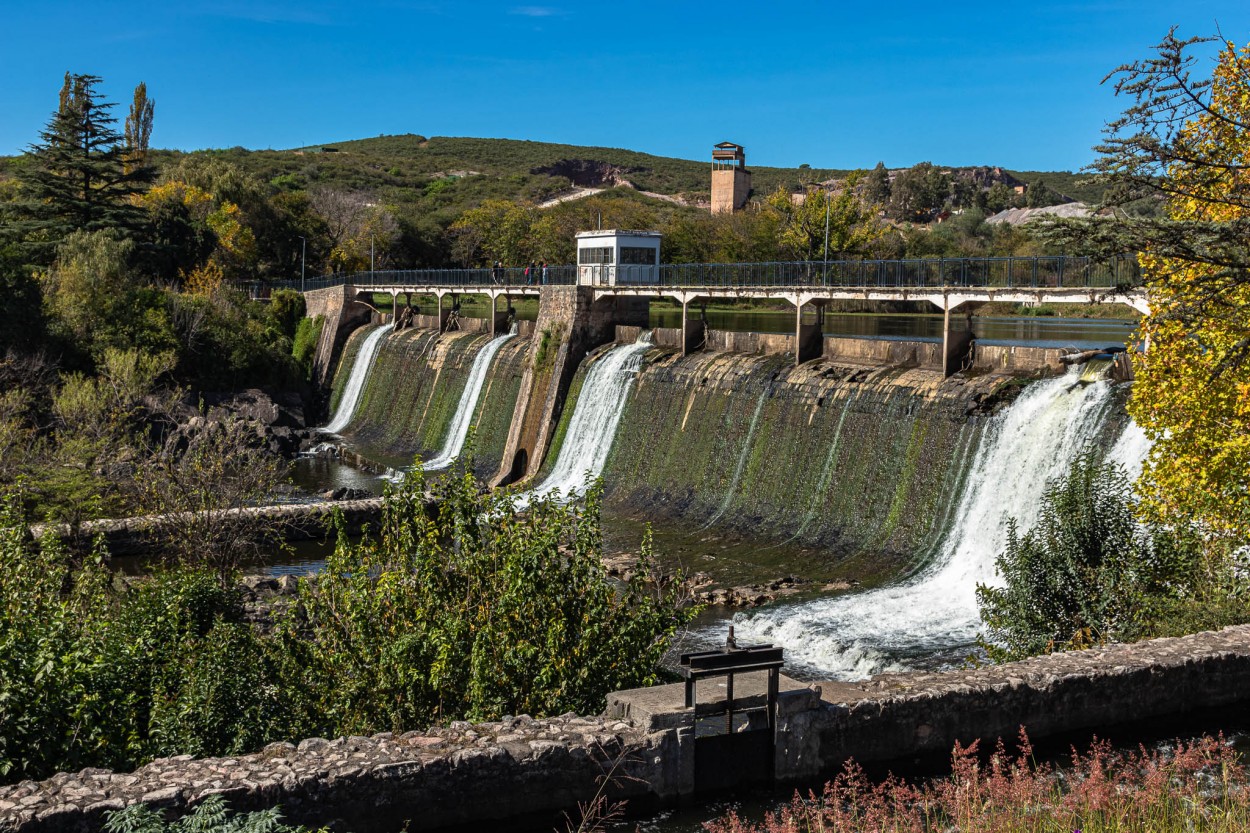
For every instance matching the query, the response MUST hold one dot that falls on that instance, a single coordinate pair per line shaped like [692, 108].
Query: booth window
[594, 256]
[638, 255]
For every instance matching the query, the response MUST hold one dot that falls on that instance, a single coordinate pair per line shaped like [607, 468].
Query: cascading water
[356, 381]
[458, 431]
[935, 612]
[592, 427]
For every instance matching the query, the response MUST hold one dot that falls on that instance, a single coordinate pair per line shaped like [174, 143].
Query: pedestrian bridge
[947, 283]
[952, 285]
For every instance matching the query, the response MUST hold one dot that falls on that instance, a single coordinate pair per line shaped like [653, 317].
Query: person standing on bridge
[496, 272]
[544, 273]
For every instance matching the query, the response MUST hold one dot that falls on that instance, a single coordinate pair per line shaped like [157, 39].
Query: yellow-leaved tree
[1176, 168]
[1192, 393]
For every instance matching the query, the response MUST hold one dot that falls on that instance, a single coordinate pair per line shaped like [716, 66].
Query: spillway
[853, 636]
[458, 430]
[592, 428]
[356, 381]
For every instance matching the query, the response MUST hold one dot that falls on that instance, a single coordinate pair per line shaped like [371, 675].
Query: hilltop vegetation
[322, 206]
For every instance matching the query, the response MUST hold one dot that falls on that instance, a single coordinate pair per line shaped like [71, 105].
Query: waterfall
[356, 381]
[463, 418]
[592, 427]
[935, 612]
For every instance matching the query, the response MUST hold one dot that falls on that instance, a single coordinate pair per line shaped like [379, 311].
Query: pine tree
[78, 178]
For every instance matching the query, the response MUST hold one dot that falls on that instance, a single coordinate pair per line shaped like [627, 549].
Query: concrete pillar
[693, 333]
[956, 344]
[809, 339]
[444, 313]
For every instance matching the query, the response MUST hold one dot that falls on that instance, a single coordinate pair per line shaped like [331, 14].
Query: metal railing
[1041, 272]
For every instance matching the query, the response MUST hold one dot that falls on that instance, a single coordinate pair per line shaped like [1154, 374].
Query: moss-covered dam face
[846, 460]
[414, 386]
[860, 467]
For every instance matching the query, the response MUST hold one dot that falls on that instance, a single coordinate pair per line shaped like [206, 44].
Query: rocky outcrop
[588, 173]
[272, 420]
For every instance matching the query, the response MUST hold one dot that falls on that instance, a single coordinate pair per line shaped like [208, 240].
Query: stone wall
[415, 781]
[475, 774]
[294, 521]
[732, 341]
[342, 313]
[996, 358]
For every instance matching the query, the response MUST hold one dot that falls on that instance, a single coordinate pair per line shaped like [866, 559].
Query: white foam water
[854, 636]
[458, 430]
[1130, 450]
[592, 428]
[356, 381]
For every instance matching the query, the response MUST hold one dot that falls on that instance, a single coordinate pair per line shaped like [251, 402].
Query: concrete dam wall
[415, 384]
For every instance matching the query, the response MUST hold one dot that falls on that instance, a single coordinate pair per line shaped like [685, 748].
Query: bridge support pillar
[444, 314]
[809, 339]
[693, 333]
[499, 319]
[957, 345]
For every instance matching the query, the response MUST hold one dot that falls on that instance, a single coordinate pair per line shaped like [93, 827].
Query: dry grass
[1198, 786]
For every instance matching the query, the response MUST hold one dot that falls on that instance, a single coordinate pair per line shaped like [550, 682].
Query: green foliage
[286, 308]
[79, 180]
[918, 193]
[464, 607]
[91, 676]
[548, 347]
[23, 327]
[212, 815]
[304, 345]
[1088, 573]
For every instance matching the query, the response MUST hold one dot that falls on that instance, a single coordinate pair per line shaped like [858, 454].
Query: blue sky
[830, 84]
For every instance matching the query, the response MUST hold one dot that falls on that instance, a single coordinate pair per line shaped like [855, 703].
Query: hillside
[440, 177]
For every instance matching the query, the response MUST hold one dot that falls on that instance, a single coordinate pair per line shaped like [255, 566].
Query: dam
[870, 457]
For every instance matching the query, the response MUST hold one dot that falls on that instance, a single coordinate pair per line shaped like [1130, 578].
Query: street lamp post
[826, 270]
[303, 251]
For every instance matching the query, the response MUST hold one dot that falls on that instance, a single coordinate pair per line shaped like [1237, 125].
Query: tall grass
[1193, 786]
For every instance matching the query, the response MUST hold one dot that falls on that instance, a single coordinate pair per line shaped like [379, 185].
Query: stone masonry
[475, 773]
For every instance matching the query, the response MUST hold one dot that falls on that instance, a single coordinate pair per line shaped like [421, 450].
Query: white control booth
[615, 257]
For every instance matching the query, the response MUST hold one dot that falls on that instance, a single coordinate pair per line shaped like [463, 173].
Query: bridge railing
[1040, 272]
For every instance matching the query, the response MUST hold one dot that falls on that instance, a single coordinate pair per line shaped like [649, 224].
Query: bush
[1088, 573]
[94, 676]
[212, 815]
[466, 608]
[304, 346]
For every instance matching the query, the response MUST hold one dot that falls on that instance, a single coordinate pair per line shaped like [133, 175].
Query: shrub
[304, 346]
[466, 608]
[212, 815]
[1088, 572]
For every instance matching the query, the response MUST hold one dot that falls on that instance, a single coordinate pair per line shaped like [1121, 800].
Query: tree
[139, 128]
[464, 607]
[497, 230]
[358, 226]
[79, 179]
[918, 193]
[877, 185]
[1185, 140]
[850, 222]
